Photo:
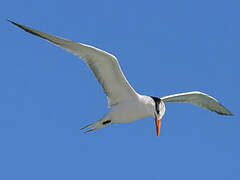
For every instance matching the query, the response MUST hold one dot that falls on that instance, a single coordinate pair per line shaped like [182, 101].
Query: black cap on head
[157, 102]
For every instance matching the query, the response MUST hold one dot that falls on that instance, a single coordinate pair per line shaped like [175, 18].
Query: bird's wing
[104, 66]
[198, 99]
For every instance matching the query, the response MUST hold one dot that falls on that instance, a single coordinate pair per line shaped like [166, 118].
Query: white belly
[129, 111]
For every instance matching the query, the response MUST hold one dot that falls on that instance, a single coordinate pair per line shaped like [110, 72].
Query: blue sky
[164, 47]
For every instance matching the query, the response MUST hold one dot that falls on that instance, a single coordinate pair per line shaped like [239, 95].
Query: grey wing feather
[104, 66]
[199, 99]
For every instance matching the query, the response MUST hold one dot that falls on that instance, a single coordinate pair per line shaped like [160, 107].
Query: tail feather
[87, 126]
[97, 125]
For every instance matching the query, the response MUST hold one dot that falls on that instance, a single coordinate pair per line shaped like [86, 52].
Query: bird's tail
[97, 125]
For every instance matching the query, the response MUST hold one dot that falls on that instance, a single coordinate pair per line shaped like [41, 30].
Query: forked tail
[97, 125]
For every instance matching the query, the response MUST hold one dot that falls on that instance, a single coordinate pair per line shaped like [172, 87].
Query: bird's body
[142, 107]
[126, 104]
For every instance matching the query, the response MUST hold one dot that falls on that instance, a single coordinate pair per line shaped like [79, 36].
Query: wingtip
[16, 24]
[226, 114]
[229, 113]
[11, 22]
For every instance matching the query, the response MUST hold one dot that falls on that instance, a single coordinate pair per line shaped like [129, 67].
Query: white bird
[127, 105]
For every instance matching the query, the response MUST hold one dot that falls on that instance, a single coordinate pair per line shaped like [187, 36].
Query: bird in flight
[126, 104]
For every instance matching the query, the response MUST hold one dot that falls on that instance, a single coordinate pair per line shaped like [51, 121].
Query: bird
[126, 104]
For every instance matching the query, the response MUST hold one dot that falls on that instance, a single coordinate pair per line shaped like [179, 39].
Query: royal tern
[126, 104]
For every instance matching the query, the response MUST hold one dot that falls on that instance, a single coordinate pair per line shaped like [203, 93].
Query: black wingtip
[11, 22]
[16, 24]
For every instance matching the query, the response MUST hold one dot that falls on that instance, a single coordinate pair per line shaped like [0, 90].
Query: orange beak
[158, 125]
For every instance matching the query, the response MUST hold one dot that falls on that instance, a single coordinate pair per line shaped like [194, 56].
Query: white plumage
[127, 105]
[199, 99]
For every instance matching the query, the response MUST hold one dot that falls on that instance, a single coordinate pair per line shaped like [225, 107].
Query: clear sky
[163, 47]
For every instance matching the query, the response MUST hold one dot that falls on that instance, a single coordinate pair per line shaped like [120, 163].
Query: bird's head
[159, 110]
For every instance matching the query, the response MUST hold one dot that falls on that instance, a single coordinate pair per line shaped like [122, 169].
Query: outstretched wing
[198, 99]
[104, 66]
